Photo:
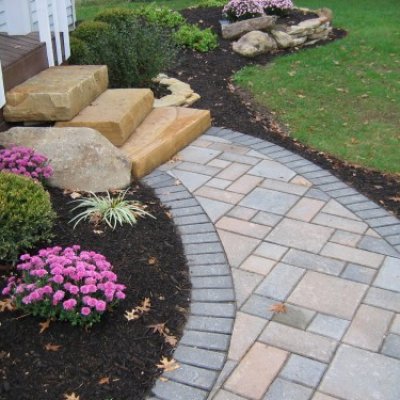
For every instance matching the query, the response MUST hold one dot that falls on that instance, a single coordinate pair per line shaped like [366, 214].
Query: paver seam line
[161, 178]
[340, 199]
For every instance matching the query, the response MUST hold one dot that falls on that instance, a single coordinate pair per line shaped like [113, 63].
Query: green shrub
[26, 215]
[134, 51]
[116, 16]
[79, 50]
[211, 3]
[195, 38]
[154, 13]
[163, 16]
[88, 31]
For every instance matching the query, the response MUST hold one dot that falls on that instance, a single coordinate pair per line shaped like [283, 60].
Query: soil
[148, 258]
[209, 74]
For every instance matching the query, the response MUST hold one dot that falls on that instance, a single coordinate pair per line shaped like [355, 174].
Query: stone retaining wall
[262, 35]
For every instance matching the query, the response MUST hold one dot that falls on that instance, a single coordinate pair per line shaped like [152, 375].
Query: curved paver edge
[203, 349]
[186, 210]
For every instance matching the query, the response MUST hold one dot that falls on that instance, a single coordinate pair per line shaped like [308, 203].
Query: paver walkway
[293, 234]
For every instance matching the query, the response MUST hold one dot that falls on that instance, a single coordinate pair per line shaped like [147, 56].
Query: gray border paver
[203, 349]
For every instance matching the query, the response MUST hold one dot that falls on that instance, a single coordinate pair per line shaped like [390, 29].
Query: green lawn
[343, 98]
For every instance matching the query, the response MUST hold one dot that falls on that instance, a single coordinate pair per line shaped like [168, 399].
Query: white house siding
[34, 18]
[3, 21]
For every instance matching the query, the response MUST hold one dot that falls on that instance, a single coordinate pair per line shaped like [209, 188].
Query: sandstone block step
[56, 94]
[163, 133]
[116, 113]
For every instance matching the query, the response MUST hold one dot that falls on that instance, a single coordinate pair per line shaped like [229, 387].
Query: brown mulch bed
[148, 258]
[210, 74]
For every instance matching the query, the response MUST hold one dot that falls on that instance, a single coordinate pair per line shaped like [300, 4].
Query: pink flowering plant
[277, 7]
[25, 161]
[66, 284]
[237, 10]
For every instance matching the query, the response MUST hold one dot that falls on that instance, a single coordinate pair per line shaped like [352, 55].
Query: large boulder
[254, 43]
[235, 30]
[82, 158]
[283, 39]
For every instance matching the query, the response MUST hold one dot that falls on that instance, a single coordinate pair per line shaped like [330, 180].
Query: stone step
[116, 113]
[56, 94]
[162, 134]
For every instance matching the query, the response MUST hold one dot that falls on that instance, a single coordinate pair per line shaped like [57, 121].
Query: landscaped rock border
[181, 93]
[271, 35]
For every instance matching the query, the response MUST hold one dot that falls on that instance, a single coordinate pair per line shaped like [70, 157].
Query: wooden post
[63, 26]
[2, 94]
[44, 29]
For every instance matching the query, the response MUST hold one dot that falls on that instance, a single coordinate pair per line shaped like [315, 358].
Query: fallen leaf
[71, 396]
[146, 305]
[364, 96]
[168, 214]
[174, 159]
[158, 328]
[168, 365]
[131, 315]
[44, 325]
[163, 379]
[395, 198]
[171, 340]
[75, 195]
[301, 96]
[178, 182]
[104, 381]
[52, 347]
[7, 304]
[152, 261]
[279, 308]
[354, 141]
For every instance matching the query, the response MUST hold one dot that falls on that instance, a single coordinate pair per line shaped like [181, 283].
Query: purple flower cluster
[25, 161]
[243, 9]
[69, 284]
[281, 5]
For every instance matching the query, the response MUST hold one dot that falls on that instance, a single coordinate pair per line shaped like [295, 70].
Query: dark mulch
[210, 75]
[149, 260]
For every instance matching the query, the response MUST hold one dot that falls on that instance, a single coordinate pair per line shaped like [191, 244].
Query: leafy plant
[111, 210]
[25, 161]
[192, 36]
[26, 215]
[66, 284]
[135, 51]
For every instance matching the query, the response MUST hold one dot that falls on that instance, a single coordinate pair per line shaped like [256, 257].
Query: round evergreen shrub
[26, 215]
[134, 50]
[79, 51]
[116, 16]
[88, 31]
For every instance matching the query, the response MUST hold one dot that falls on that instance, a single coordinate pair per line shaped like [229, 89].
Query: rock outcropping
[262, 35]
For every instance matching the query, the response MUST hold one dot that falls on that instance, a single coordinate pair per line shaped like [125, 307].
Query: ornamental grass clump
[111, 210]
[237, 10]
[25, 161]
[65, 284]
